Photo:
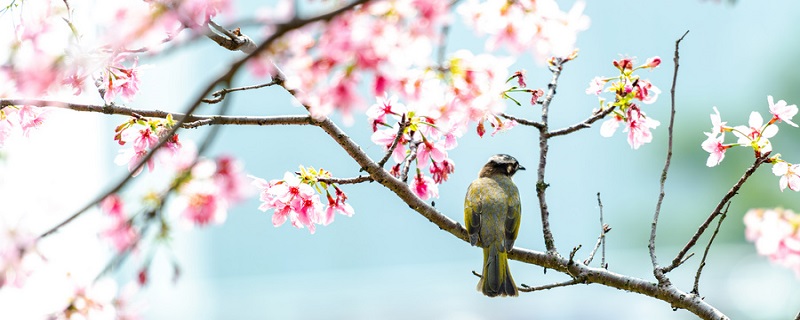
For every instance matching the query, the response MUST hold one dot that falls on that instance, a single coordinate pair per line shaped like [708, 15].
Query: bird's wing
[472, 213]
[512, 218]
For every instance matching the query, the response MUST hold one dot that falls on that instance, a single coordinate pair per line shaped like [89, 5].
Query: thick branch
[673, 296]
[541, 186]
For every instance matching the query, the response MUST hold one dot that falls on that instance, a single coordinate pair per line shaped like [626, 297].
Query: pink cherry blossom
[713, 145]
[717, 126]
[781, 111]
[132, 158]
[230, 179]
[424, 187]
[610, 126]
[31, 117]
[596, 86]
[120, 80]
[202, 203]
[121, 234]
[113, 206]
[653, 62]
[756, 134]
[17, 253]
[145, 139]
[638, 127]
[646, 91]
[336, 205]
[385, 137]
[385, 106]
[789, 173]
[9, 123]
[428, 151]
[775, 234]
[292, 200]
[441, 170]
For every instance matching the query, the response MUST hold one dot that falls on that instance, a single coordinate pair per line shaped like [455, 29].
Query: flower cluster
[539, 26]
[119, 80]
[120, 232]
[20, 120]
[17, 256]
[755, 135]
[209, 189]
[628, 88]
[296, 198]
[386, 41]
[144, 135]
[776, 234]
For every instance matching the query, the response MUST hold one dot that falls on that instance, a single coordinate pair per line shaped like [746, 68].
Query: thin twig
[401, 128]
[353, 180]
[583, 125]
[412, 155]
[601, 240]
[657, 272]
[724, 214]
[679, 258]
[523, 121]
[526, 288]
[220, 94]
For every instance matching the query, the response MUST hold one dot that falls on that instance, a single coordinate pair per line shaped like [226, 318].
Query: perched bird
[492, 215]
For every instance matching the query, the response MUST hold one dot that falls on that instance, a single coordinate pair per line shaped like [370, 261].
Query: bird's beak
[521, 168]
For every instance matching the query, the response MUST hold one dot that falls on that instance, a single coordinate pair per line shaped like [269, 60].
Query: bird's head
[501, 164]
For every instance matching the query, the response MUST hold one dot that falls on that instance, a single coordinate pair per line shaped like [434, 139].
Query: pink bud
[653, 62]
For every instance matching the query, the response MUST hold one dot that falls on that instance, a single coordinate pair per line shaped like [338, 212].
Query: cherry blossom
[121, 234]
[638, 128]
[424, 187]
[596, 86]
[31, 117]
[756, 134]
[653, 62]
[17, 256]
[775, 234]
[789, 173]
[781, 111]
[120, 80]
[441, 170]
[713, 145]
[336, 205]
[717, 126]
[538, 26]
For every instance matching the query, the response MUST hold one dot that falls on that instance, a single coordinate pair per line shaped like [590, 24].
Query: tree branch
[523, 121]
[549, 242]
[669, 294]
[280, 30]
[657, 272]
[583, 125]
[679, 258]
[695, 289]
[191, 121]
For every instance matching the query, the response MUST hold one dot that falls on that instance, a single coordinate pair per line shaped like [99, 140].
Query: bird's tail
[496, 279]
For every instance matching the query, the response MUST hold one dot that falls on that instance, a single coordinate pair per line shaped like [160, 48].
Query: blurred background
[388, 262]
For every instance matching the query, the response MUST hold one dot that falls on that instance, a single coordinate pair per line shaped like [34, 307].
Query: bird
[492, 211]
